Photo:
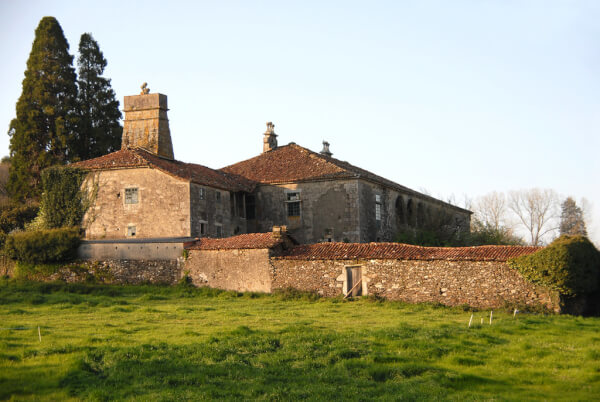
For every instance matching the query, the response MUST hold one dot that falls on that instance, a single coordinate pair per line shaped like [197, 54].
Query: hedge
[43, 246]
[570, 265]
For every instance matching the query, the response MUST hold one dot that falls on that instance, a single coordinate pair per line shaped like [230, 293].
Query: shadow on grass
[248, 364]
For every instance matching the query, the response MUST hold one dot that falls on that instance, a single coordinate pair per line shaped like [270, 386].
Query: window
[131, 195]
[218, 195]
[293, 204]
[203, 227]
[219, 231]
[377, 207]
[131, 230]
[201, 193]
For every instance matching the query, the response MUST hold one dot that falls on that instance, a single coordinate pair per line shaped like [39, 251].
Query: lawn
[166, 343]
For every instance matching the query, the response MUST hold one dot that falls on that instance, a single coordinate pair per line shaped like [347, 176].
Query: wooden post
[471, 320]
[39, 334]
[491, 315]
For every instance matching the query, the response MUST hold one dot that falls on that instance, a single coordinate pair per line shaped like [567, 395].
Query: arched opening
[410, 214]
[400, 218]
[420, 215]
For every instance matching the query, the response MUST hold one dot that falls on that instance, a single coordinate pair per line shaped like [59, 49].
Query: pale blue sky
[461, 97]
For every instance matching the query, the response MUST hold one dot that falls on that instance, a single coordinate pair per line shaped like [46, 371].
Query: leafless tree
[537, 211]
[492, 210]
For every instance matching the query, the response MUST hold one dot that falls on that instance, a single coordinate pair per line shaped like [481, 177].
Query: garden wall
[481, 284]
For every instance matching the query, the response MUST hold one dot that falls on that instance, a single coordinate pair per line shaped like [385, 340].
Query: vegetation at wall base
[570, 265]
[43, 246]
[173, 343]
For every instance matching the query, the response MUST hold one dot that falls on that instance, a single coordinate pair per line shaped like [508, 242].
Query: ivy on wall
[570, 265]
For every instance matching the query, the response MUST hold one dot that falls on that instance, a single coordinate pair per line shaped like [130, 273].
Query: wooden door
[354, 281]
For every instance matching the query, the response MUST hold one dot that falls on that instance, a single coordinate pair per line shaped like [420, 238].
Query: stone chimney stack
[146, 123]
[270, 138]
[325, 151]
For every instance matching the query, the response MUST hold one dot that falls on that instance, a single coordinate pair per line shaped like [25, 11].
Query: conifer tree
[99, 129]
[43, 132]
[571, 219]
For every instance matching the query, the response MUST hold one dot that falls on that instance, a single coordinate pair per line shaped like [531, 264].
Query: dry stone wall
[481, 284]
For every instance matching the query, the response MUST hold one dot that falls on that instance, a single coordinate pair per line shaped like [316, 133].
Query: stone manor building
[143, 192]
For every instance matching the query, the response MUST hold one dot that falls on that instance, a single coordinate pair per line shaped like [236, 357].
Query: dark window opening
[131, 231]
[293, 203]
[250, 207]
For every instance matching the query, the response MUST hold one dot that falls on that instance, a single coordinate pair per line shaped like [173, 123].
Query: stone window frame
[203, 228]
[131, 230]
[293, 204]
[132, 195]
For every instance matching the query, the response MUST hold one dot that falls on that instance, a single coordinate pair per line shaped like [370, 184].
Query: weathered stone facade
[162, 207]
[146, 124]
[481, 284]
[319, 198]
[244, 270]
[352, 210]
[328, 210]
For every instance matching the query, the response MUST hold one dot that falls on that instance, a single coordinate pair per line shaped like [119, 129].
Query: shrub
[42, 246]
[570, 265]
[15, 216]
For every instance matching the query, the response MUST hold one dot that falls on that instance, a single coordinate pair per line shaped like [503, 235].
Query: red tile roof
[243, 241]
[132, 158]
[292, 162]
[398, 251]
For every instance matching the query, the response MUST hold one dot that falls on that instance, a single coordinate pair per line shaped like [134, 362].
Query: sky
[453, 98]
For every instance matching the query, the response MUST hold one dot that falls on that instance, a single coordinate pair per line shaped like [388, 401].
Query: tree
[571, 219]
[536, 211]
[43, 132]
[491, 210]
[99, 129]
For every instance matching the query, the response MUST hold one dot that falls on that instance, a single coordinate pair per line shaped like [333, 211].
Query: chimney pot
[325, 151]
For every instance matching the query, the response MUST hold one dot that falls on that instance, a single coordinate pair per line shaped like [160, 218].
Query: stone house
[142, 192]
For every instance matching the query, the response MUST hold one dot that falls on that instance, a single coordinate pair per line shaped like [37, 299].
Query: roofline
[152, 166]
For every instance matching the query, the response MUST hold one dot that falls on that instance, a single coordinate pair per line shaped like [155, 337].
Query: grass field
[167, 343]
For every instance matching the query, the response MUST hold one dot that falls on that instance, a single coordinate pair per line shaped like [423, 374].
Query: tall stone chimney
[270, 138]
[325, 151]
[146, 123]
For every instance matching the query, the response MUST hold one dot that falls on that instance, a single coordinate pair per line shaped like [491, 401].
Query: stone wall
[132, 272]
[402, 210]
[162, 210]
[240, 269]
[214, 211]
[476, 283]
[328, 209]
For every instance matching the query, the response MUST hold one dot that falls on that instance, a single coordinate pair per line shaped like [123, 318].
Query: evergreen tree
[99, 130]
[571, 219]
[43, 132]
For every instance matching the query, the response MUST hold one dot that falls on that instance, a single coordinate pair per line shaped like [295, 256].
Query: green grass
[178, 343]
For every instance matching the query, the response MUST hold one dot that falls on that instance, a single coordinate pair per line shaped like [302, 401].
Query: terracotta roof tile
[398, 251]
[292, 162]
[131, 158]
[243, 241]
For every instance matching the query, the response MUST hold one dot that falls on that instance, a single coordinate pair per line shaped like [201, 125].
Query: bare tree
[492, 210]
[537, 211]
